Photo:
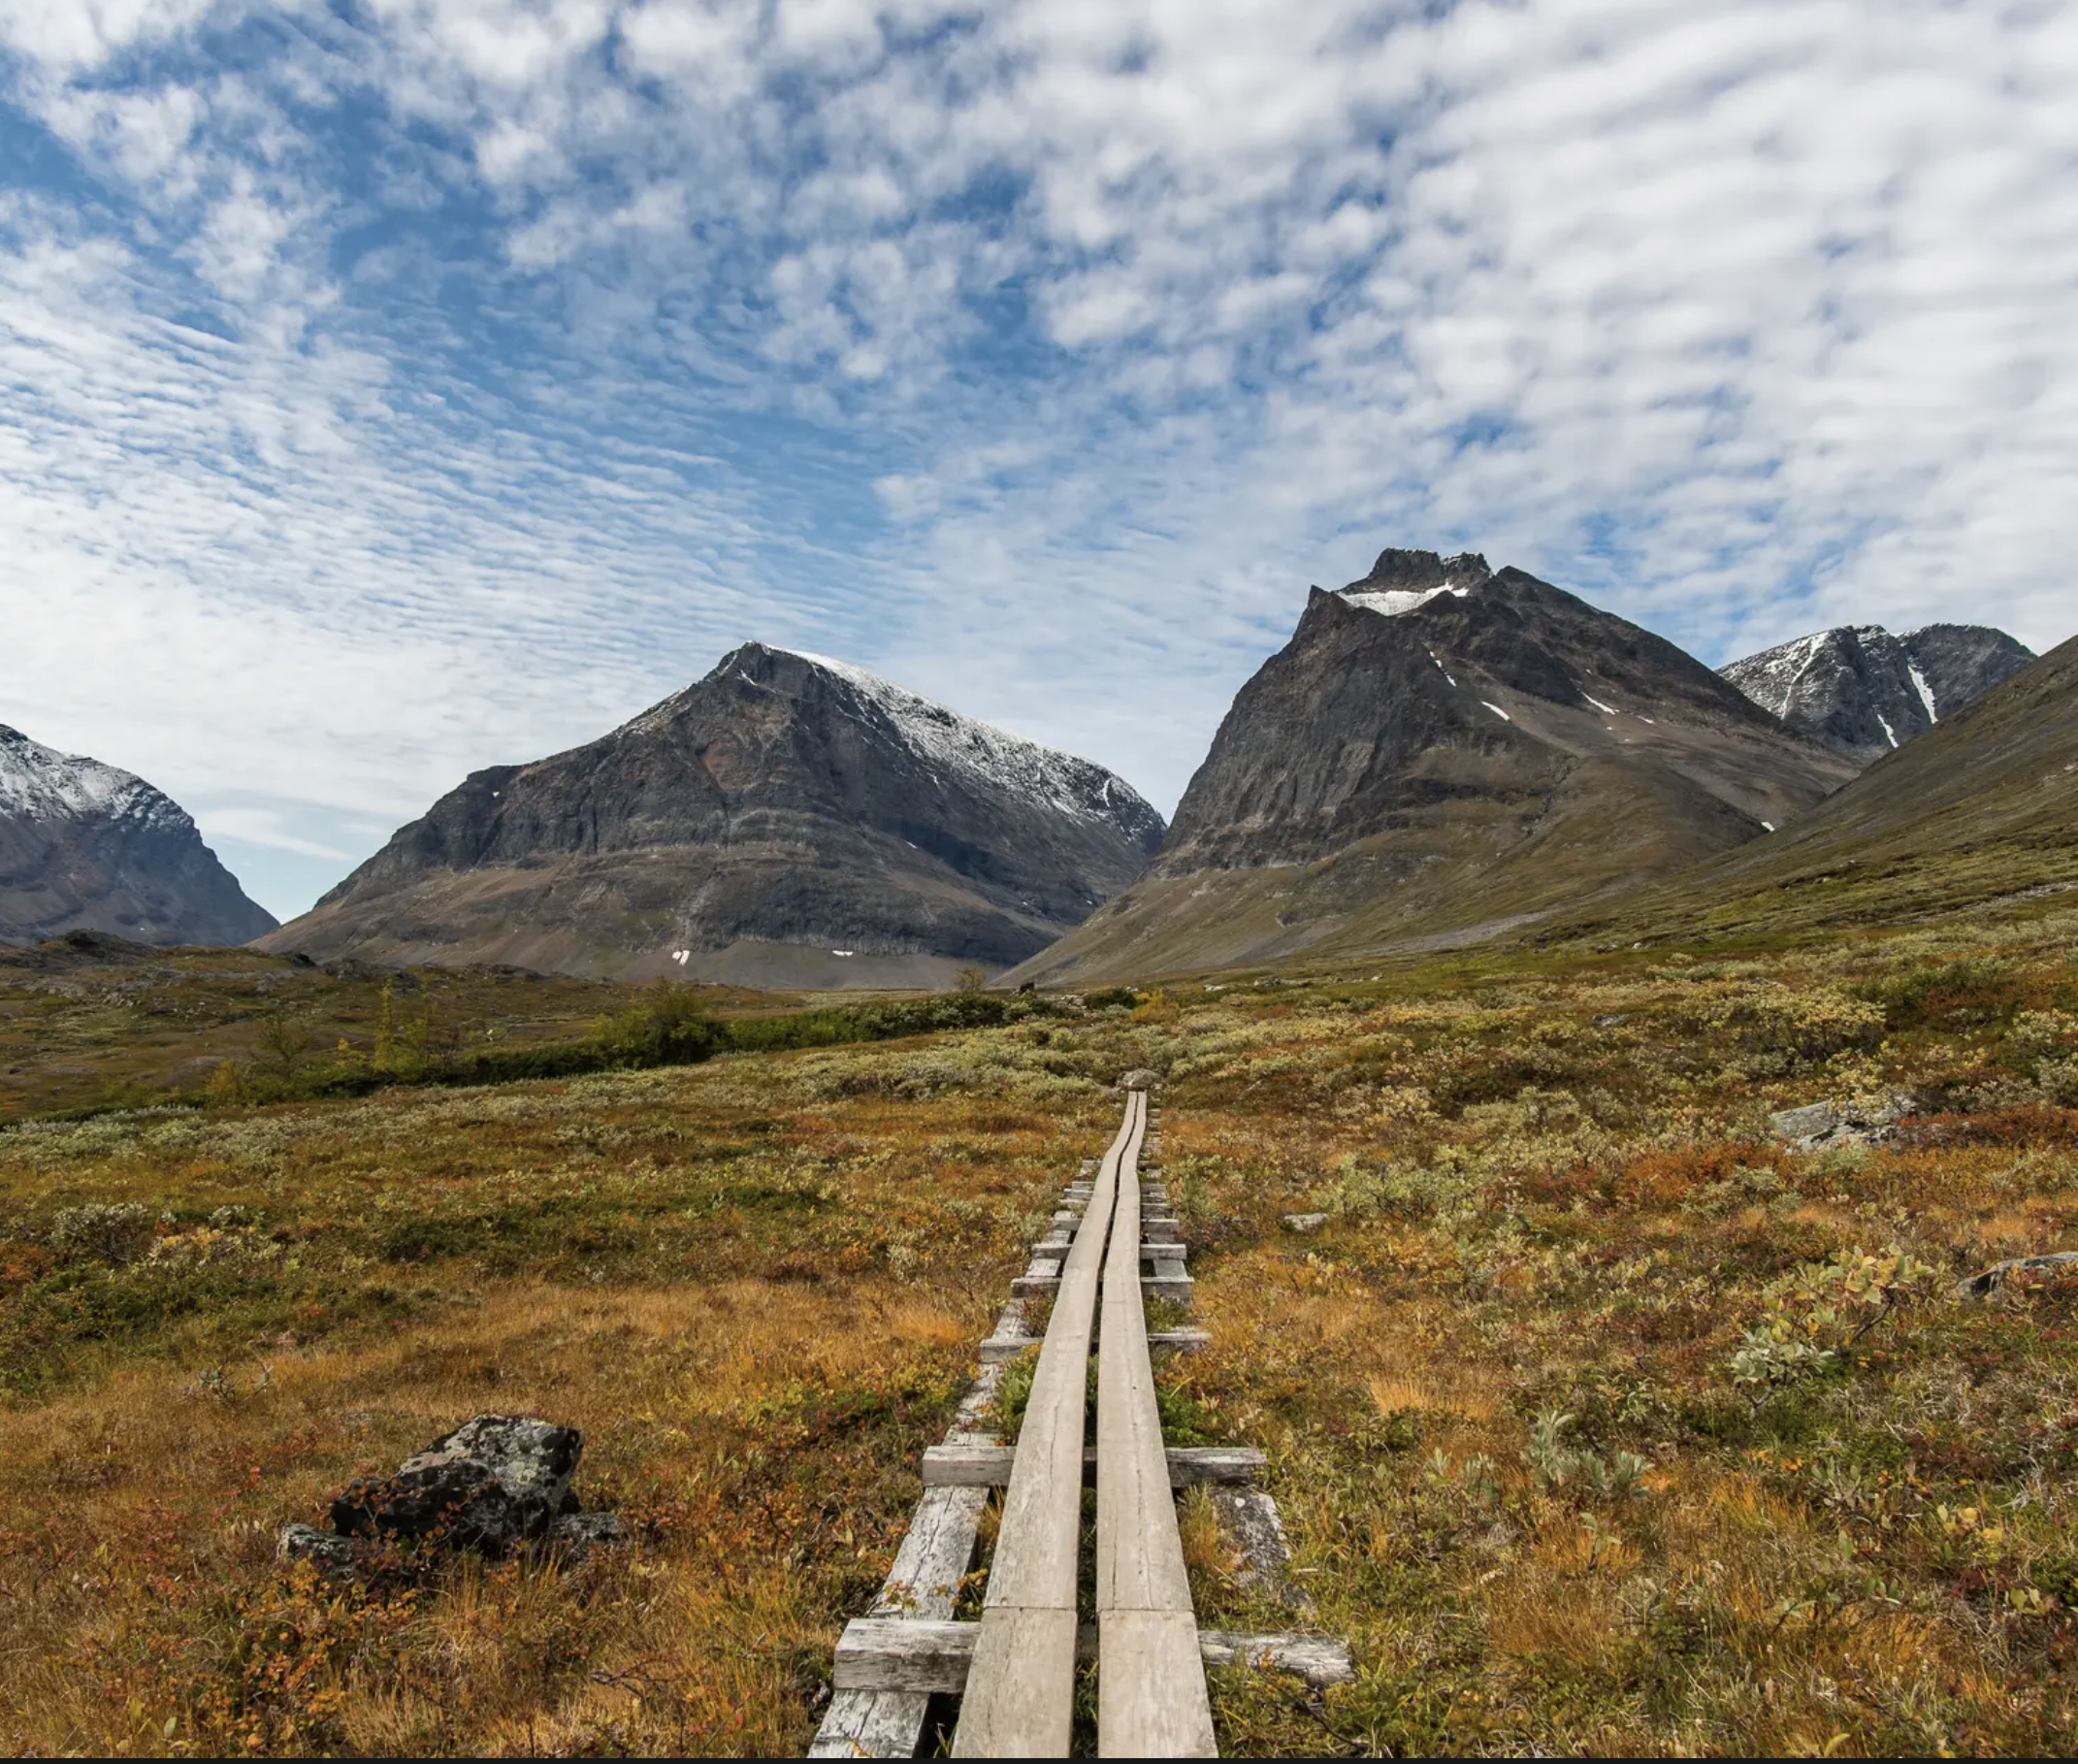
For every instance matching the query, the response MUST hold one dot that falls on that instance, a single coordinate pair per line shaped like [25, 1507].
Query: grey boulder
[493, 1484]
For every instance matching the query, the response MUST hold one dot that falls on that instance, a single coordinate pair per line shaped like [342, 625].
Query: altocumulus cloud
[398, 386]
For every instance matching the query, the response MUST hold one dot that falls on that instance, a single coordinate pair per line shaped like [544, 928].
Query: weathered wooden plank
[921, 1587]
[989, 1466]
[1151, 1700]
[1000, 1347]
[1151, 1684]
[1312, 1658]
[880, 1655]
[1188, 1340]
[1021, 1692]
[871, 1724]
[876, 1653]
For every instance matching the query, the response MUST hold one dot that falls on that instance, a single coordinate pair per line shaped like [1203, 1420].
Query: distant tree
[970, 979]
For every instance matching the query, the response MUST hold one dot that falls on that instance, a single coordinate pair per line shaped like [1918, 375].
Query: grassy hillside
[1981, 807]
[1601, 1419]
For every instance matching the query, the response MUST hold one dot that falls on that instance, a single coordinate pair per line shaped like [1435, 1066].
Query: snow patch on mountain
[1393, 602]
[1925, 692]
[993, 756]
[40, 784]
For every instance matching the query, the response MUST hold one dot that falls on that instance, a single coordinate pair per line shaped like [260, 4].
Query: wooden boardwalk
[1016, 1668]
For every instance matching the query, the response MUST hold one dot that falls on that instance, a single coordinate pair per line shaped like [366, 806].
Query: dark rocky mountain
[86, 847]
[1862, 692]
[1439, 752]
[786, 821]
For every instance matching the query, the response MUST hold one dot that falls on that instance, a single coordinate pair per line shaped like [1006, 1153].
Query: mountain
[1439, 752]
[1862, 692]
[84, 846]
[786, 821]
[1982, 806]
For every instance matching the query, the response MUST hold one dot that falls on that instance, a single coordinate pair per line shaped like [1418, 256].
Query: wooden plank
[1188, 1340]
[1021, 1693]
[921, 1587]
[989, 1466]
[1151, 1683]
[874, 1654]
[1312, 1658]
[879, 1654]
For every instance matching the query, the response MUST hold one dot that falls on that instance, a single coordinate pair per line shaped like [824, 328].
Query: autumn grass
[1600, 1420]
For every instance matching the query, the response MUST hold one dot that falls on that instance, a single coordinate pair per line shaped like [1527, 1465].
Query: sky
[393, 387]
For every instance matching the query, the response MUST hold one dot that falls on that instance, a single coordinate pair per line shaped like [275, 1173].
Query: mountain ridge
[784, 820]
[1441, 746]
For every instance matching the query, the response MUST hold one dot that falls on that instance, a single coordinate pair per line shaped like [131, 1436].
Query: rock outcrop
[1440, 751]
[1862, 692]
[85, 846]
[496, 1485]
[787, 820]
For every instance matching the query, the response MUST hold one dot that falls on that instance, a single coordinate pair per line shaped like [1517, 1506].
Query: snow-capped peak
[38, 783]
[993, 756]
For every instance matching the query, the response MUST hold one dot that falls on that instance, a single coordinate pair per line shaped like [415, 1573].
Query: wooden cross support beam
[915, 1654]
[989, 1466]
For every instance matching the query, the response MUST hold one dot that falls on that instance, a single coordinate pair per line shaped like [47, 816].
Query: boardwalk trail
[1112, 1243]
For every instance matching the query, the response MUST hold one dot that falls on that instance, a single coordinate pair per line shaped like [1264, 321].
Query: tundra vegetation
[1602, 1418]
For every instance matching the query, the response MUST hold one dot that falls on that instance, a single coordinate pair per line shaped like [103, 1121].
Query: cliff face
[85, 846]
[1862, 692]
[787, 819]
[1438, 749]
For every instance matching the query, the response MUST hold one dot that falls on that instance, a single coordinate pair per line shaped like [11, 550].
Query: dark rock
[493, 1484]
[104, 858]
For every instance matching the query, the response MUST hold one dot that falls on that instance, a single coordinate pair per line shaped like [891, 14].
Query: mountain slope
[1441, 750]
[1862, 691]
[787, 820]
[85, 846]
[1983, 805]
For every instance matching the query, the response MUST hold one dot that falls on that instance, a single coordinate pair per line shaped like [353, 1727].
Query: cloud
[396, 392]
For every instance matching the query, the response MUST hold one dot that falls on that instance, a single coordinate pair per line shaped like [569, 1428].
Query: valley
[1622, 1142]
[1601, 1415]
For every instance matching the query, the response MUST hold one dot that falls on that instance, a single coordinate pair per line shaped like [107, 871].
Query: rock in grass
[1807, 1123]
[1819, 1123]
[332, 1553]
[1139, 1079]
[577, 1534]
[493, 1484]
[1305, 1221]
[1983, 1286]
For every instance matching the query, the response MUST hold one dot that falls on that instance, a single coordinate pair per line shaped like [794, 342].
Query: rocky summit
[1862, 692]
[86, 847]
[786, 821]
[1440, 751]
